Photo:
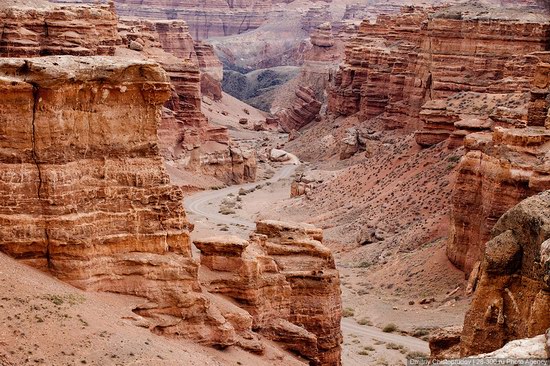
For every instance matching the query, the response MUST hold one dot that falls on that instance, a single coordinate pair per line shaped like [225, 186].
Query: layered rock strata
[84, 191]
[512, 296]
[187, 138]
[286, 279]
[211, 71]
[185, 134]
[205, 19]
[500, 169]
[62, 30]
[401, 62]
[305, 108]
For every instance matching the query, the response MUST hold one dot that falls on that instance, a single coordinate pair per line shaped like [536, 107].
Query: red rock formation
[322, 36]
[304, 109]
[84, 31]
[287, 280]
[84, 192]
[396, 65]
[92, 30]
[205, 19]
[186, 136]
[498, 171]
[512, 298]
[469, 112]
[211, 71]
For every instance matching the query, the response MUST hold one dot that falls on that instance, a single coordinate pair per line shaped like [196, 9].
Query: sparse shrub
[348, 312]
[393, 346]
[364, 264]
[390, 328]
[416, 355]
[364, 321]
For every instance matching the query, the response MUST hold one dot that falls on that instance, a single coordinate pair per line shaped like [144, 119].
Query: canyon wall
[287, 280]
[188, 140]
[205, 18]
[500, 169]
[86, 197]
[62, 30]
[512, 294]
[85, 193]
[401, 62]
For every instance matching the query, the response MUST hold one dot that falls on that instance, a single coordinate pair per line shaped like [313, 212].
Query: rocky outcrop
[61, 30]
[353, 141]
[395, 66]
[445, 343]
[187, 138]
[84, 191]
[305, 108]
[205, 19]
[322, 36]
[469, 112]
[286, 279]
[500, 169]
[512, 297]
[185, 134]
[523, 349]
[211, 71]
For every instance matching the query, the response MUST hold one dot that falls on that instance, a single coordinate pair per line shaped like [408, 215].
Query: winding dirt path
[206, 204]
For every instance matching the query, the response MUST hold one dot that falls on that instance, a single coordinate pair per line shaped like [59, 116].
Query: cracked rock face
[286, 279]
[512, 298]
[84, 193]
[500, 168]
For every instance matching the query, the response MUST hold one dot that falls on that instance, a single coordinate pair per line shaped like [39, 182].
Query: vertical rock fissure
[36, 99]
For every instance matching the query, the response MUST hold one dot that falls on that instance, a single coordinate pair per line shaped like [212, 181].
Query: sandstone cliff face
[63, 30]
[499, 169]
[512, 298]
[395, 66]
[205, 19]
[85, 194]
[211, 71]
[185, 134]
[187, 138]
[286, 279]
[304, 110]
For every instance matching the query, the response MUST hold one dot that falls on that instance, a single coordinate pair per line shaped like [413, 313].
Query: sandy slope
[47, 322]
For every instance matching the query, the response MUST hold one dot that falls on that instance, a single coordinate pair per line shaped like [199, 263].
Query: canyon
[281, 182]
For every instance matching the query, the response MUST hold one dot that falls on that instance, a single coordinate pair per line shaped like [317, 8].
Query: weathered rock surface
[512, 298]
[522, 349]
[322, 36]
[185, 134]
[304, 109]
[353, 141]
[84, 192]
[58, 30]
[211, 71]
[500, 169]
[445, 343]
[186, 137]
[286, 279]
[205, 19]
[395, 66]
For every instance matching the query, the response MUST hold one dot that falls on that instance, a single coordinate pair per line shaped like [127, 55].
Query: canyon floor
[384, 319]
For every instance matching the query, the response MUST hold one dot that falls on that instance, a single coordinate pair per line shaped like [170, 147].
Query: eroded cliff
[512, 295]
[401, 62]
[500, 169]
[85, 194]
[287, 280]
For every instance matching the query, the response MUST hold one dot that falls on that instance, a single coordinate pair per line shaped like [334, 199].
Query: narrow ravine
[203, 209]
